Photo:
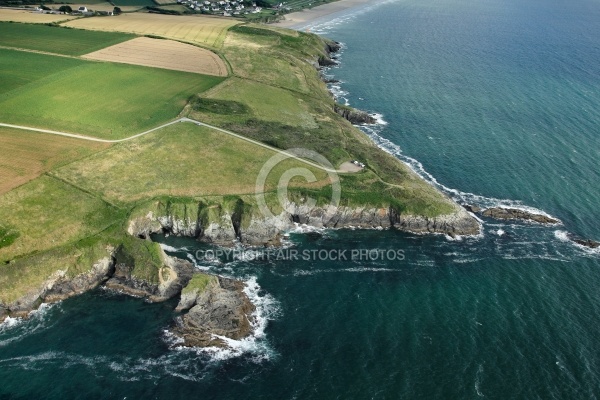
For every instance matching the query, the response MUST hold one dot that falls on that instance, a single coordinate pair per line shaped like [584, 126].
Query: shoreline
[297, 20]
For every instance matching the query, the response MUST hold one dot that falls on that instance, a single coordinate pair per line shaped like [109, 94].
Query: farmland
[202, 30]
[126, 99]
[26, 155]
[58, 40]
[34, 18]
[162, 53]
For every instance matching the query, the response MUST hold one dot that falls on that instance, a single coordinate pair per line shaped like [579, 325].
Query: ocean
[496, 102]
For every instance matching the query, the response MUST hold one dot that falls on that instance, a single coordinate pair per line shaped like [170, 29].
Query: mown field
[104, 100]
[58, 40]
[26, 155]
[179, 160]
[203, 30]
[34, 18]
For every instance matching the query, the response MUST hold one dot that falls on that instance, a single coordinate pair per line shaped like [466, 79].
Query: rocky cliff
[252, 228]
[219, 308]
[355, 116]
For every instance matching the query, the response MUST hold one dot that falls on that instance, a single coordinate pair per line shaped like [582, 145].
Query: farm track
[185, 119]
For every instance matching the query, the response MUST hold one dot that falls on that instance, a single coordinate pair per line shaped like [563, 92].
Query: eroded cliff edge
[225, 224]
[212, 309]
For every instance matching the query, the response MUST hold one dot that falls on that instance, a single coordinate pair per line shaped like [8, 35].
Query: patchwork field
[35, 18]
[26, 155]
[104, 100]
[161, 53]
[203, 30]
[180, 160]
[58, 40]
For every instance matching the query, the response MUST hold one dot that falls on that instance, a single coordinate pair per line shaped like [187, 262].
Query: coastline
[298, 19]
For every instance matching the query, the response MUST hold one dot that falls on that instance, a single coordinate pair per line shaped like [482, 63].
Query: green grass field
[104, 100]
[55, 39]
[179, 160]
[18, 68]
[47, 212]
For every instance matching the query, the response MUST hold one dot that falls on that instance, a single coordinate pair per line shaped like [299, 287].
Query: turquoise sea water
[494, 101]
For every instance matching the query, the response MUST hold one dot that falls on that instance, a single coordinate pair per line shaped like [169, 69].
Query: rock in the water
[472, 208]
[221, 308]
[513, 213]
[592, 244]
[356, 117]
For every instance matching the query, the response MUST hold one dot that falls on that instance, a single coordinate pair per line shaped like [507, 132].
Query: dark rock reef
[512, 214]
[592, 244]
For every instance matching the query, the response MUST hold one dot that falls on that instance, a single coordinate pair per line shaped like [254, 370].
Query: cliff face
[255, 229]
[355, 117]
[59, 287]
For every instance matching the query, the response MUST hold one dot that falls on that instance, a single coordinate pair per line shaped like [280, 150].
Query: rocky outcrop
[221, 309]
[516, 214]
[59, 287]
[355, 117]
[255, 229]
[459, 223]
[143, 227]
[173, 276]
[326, 61]
[472, 208]
[592, 244]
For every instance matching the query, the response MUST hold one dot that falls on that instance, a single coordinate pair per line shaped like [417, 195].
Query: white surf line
[184, 119]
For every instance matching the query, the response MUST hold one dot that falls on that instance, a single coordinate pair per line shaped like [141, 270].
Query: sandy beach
[298, 19]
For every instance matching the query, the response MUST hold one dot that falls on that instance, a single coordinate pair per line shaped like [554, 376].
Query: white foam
[563, 236]
[171, 249]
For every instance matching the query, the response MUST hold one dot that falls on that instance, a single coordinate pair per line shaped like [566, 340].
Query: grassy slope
[180, 160]
[26, 155]
[48, 212]
[98, 99]
[295, 110]
[54, 39]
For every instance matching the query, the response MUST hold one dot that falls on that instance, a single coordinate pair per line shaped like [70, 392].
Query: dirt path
[266, 146]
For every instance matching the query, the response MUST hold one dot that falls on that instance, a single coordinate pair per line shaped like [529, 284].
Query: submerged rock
[516, 214]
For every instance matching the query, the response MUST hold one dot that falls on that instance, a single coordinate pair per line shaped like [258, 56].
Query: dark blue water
[496, 102]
